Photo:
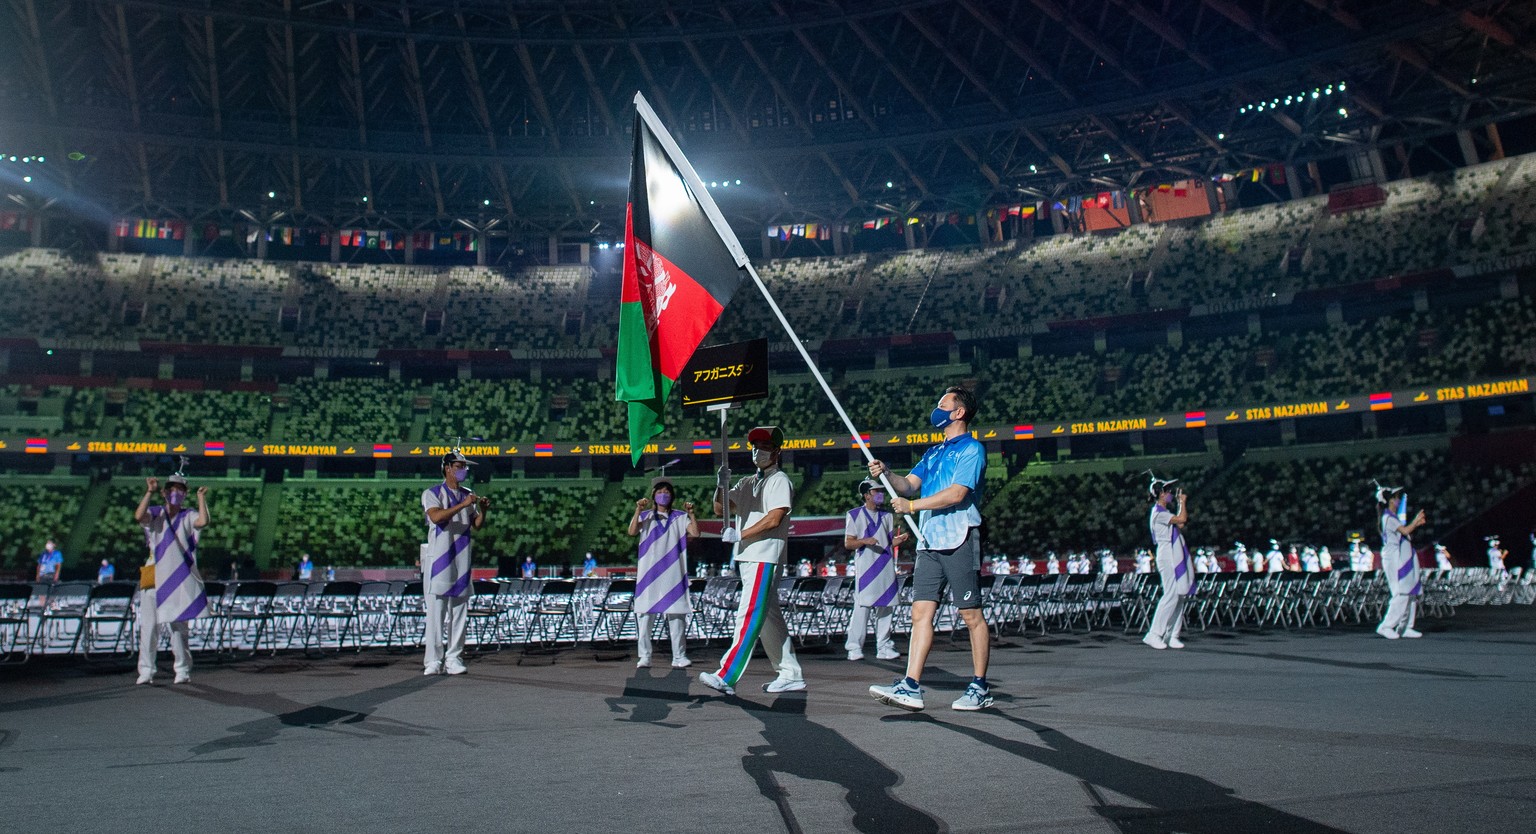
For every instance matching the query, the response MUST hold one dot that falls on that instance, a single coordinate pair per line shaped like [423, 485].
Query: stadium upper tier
[1463, 217]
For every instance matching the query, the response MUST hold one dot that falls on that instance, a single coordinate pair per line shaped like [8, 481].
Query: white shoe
[715, 682]
[1388, 633]
[183, 677]
[887, 654]
[856, 655]
[145, 677]
[1412, 632]
[643, 663]
[455, 667]
[782, 685]
[1175, 643]
[1154, 642]
[432, 670]
[681, 663]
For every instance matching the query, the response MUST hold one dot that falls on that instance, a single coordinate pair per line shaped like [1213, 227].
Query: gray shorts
[959, 568]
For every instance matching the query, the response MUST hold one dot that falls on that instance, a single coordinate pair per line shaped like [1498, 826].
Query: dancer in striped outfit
[176, 593]
[663, 585]
[453, 513]
[1173, 564]
[1399, 562]
[761, 502]
[868, 534]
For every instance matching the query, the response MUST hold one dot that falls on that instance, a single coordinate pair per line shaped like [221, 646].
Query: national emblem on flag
[1194, 419]
[1381, 401]
[679, 273]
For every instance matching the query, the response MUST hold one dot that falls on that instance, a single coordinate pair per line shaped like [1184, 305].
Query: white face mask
[762, 458]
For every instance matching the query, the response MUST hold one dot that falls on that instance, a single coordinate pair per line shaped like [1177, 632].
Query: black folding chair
[15, 622]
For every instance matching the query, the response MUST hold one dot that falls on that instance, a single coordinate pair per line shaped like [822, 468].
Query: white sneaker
[899, 694]
[145, 677]
[715, 682]
[1388, 633]
[782, 685]
[432, 670]
[183, 677]
[1412, 632]
[1154, 642]
[975, 698]
[887, 654]
[455, 667]
[856, 654]
[681, 663]
[643, 663]
[1175, 643]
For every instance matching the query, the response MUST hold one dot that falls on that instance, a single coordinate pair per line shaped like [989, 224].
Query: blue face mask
[940, 417]
[462, 475]
[663, 499]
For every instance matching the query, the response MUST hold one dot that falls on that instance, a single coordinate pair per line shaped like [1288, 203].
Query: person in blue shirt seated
[106, 573]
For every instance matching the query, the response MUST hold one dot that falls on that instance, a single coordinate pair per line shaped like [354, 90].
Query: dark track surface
[1242, 731]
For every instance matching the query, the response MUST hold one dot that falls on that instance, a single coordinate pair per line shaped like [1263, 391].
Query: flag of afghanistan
[678, 277]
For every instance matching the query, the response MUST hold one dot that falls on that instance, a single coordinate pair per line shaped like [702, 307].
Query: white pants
[1168, 619]
[455, 610]
[676, 625]
[149, 637]
[1400, 613]
[858, 628]
[759, 619]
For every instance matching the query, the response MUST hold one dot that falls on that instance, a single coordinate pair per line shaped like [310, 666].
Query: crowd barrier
[248, 618]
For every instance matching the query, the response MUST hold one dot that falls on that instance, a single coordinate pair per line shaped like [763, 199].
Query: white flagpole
[723, 229]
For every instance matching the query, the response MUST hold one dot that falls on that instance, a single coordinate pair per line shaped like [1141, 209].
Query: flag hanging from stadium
[682, 264]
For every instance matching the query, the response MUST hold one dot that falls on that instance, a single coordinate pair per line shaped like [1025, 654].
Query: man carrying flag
[680, 270]
[761, 501]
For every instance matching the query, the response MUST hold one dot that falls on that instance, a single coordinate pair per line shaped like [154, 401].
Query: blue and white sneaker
[976, 697]
[899, 694]
[715, 682]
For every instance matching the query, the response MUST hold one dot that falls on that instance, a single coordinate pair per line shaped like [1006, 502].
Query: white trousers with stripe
[759, 618]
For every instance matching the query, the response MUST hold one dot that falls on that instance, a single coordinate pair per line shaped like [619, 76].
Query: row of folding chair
[261, 616]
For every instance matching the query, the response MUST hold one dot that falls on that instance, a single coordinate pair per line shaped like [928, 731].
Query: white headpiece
[1383, 493]
[1156, 485]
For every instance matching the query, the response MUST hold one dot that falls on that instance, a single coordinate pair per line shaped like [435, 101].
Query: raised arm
[202, 509]
[151, 486]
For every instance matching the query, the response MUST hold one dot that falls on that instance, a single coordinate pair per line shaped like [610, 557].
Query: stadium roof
[430, 112]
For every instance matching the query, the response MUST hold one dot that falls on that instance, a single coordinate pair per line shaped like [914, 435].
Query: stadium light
[485, 202]
[1221, 136]
[26, 179]
[271, 195]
